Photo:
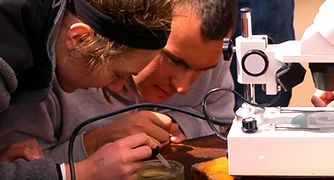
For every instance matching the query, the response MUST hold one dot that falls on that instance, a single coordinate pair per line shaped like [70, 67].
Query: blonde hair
[99, 50]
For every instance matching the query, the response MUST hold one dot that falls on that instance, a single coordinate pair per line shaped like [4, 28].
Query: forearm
[91, 142]
[82, 171]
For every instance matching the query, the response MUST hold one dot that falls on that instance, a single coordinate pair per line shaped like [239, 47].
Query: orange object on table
[216, 169]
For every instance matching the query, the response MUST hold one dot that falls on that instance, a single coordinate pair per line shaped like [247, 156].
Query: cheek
[169, 70]
[195, 77]
[101, 77]
[153, 71]
[164, 73]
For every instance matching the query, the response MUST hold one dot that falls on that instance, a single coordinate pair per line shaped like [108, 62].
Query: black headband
[132, 35]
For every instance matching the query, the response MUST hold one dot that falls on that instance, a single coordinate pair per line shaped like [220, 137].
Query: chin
[67, 89]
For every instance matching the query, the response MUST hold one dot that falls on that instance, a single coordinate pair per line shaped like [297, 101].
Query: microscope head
[322, 73]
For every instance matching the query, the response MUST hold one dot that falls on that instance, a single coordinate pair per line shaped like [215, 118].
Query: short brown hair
[217, 17]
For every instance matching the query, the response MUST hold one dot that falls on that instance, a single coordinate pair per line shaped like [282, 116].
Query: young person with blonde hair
[75, 44]
[189, 66]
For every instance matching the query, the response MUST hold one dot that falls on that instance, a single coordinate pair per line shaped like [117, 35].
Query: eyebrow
[172, 56]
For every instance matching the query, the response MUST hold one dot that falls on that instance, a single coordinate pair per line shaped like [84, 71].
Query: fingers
[29, 154]
[322, 98]
[140, 139]
[151, 143]
[158, 133]
[135, 140]
[178, 137]
[33, 147]
[164, 137]
[160, 126]
[139, 146]
[317, 102]
[174, 128]
[331, 104]
[27, 149]
[159, 119]
[162, 120]
[318, 98]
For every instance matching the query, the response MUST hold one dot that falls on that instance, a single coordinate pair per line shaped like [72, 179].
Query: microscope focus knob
[249, 125]
[227, 49]
[255, 62]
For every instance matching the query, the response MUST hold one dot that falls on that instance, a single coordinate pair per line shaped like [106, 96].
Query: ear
[74, 34]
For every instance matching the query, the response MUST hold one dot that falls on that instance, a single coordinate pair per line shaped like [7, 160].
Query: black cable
[245, 100]
[128, 108]
[209, 120]
[224, 122]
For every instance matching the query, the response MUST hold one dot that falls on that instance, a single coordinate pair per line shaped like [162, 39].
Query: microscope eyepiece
[323, 75]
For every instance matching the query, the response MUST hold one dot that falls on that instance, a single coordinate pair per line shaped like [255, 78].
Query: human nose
[116, 85]
[182, 81]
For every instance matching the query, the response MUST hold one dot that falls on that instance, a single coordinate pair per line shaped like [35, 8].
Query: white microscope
[276, 141]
